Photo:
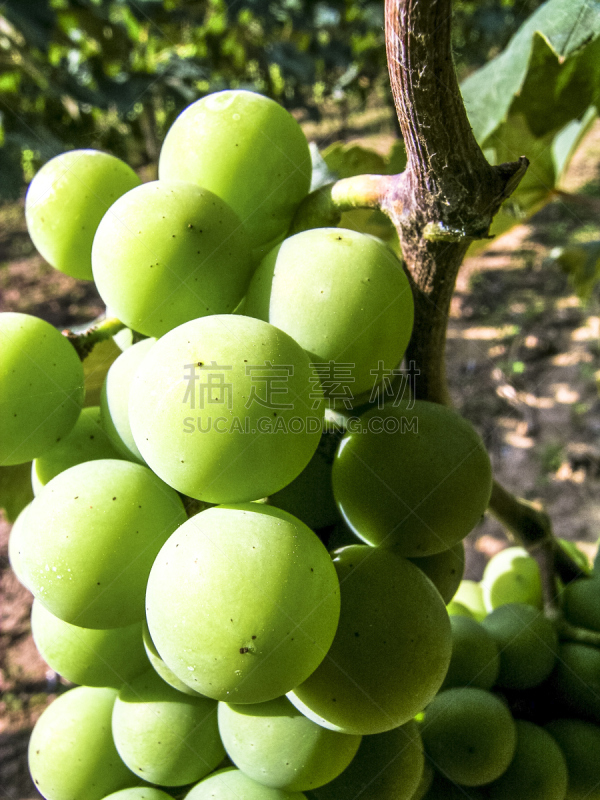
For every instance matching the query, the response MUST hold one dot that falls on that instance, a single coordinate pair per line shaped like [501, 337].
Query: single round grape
[469, 735]
[159, 665]
[581, 603]
[444, 570]
[580, 745]
[575, 681]
[114, 399]
[387, 765]
[345, 298]
[90, 540]
[475, 660]
[41, 387]
[87, 441]
[164, 736]
[86, 655]
[223, 409]
[415, 477]
[15, 545]
[232, 784]
[538, 770]
[391, 650]
[243, 602]
[310, 496]
[71, 750]
[276, 745]
[470, 595]
[426, 781]
[527, 643]
[139, 793]
[511, 576]
[169, 252]
[246, 149]
[66, 201]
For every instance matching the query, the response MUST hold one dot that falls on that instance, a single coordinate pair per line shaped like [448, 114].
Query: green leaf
[15, 489]
[548, 59]
[582, 264]
[348, 160]
[568, 140]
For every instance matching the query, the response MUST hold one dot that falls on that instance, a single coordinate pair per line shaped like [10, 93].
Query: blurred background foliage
[113, 74]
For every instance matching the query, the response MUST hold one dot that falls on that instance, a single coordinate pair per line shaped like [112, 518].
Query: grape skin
[243, 602]
[66, 201]
[276, 745]
[90, 540]
[169, 252]
[72, 753]
[41, 387]
[377, 677]
[249, 151]
[222, 445]
[85, 655]
[85, 442]
[344, 297]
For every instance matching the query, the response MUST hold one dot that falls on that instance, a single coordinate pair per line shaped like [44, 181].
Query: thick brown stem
[448, 194]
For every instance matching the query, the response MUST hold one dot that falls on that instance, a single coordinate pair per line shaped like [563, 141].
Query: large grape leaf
[549, 72]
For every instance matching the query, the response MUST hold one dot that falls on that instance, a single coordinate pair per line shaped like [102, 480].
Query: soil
[523, 359]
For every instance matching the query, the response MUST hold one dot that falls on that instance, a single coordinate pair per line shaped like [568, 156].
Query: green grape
[41, 394]
[391, 650]
[232, 784]
[90, 540]
[527, 644]
[15, 546]
[87, 441]
[387, 765]
[415, 477]
[469, 595]
[426, 781]
[246, 149]
[223, 410]
[166, 253]
[575, 682]
[310, 496]
[474, 659]
[86, 655]
[71, 750]
[456, 609]
[66, 201]
[139, 793]
[511, 576]
[344, 297]
[538, 770]
[114, 399]
[243, 602]
[276, 745]
[469, 735]
[164, 736]
[159, 665]
[444, 570]
[580, 745]
[581, 603]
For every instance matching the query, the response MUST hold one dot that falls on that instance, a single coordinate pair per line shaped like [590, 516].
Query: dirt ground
[523, 362]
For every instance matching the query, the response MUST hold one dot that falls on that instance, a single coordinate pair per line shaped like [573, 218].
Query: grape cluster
[221, 650]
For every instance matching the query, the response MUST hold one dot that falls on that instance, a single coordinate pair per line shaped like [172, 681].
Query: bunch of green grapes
[251, 601]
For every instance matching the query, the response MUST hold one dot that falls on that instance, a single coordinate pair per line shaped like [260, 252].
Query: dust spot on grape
[244, 650]
[114, 498]
[254, 637]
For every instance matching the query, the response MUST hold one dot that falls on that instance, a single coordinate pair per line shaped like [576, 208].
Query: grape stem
[84, 341]
[447, 196]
